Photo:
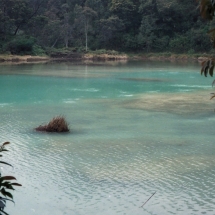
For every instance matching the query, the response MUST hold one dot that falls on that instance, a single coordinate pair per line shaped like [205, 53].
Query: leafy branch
[6, 184]
[207, 10]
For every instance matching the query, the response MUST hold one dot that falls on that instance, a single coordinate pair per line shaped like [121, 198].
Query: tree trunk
[16, 30]
[86, 35]
[55, 42]
[66, 36]
[86, 41]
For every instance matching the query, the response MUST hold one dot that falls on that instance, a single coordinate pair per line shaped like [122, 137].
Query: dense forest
[38, 26]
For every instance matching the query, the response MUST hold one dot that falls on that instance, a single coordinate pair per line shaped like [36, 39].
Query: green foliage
[109, 28]
[130, 42]
[20, 45]
[38, 51]
[180, 44]
[124, 9]
[199, 42]
[161, 43]
[123, 25]
[63, 52]
[6, 184]
[104, 51]
[191, 52]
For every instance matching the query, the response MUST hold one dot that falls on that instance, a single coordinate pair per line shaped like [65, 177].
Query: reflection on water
[128, 139]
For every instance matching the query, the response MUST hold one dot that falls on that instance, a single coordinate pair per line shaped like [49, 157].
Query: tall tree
[66, 27]
[108, 28]
[126, 25]
[83, 17]
[149, 24]
[17, 13]
[146, 37]
[124, 9]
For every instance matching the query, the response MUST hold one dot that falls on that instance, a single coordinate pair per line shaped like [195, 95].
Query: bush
[37, 50]
[180, 44]
[161, 44]
[199, 42]
[104, 51]
[57, 124]
[20, 45]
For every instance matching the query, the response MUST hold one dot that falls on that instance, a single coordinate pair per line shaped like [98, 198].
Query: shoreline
[27, 58]
[104, 57]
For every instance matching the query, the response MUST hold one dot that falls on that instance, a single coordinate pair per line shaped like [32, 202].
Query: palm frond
[208, 67]
[207, 9]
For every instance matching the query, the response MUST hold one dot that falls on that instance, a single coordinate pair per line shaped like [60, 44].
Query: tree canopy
[31, 26]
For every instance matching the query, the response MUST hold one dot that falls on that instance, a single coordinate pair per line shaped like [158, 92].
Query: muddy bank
[25, 58]
[172, 57]
[61, 57]
[100, 57]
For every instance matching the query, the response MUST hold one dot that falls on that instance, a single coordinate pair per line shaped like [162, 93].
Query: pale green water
[117, 154]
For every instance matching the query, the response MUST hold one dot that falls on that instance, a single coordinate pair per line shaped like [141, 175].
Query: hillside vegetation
[40, 27]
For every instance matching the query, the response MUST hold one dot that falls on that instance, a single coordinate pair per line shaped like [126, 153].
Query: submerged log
[57, 124]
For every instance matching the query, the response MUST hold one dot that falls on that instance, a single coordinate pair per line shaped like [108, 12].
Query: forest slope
[40, 27]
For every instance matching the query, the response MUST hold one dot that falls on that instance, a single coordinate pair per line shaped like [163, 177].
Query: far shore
[104, 57]
[24, 58]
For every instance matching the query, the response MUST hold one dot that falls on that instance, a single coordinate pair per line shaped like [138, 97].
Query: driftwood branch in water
[147, 200]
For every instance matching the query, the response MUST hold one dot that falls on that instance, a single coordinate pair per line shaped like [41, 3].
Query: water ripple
[120, 157]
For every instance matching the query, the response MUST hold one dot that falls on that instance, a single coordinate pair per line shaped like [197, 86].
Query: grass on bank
[101, 54]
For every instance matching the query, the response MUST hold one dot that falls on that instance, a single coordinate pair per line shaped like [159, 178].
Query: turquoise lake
[136, 128]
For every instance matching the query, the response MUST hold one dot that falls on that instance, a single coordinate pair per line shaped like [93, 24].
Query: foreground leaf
[207, 9]
[5, 193]
[16, 184]
[3, 212]
[212, 96]
[7, 178]
[6, 163]
[207, 67]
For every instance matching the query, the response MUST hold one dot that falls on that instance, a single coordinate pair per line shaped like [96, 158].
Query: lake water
[136, 128]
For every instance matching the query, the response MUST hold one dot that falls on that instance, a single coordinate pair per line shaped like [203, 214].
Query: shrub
[104, 51]
[180, 44]
[20, 45]
[37, 50]
[57, 124]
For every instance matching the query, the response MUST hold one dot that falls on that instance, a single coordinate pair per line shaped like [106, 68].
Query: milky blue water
[129, 138]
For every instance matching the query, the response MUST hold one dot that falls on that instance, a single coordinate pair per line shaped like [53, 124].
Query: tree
[146, 37]
[66, 27]
[57, 30]
[83, 18]
[125, 9]
[123, 25]
[17, 13]
[108, 28]
[128, 13]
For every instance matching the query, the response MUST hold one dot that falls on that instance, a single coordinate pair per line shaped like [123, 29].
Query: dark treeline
[32, 26]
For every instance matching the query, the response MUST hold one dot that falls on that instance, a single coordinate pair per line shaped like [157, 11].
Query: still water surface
[130, 137]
